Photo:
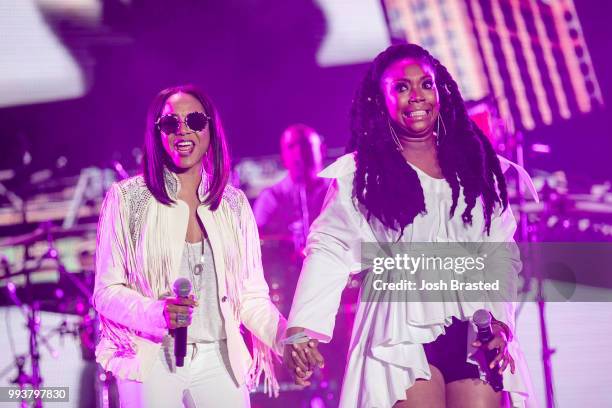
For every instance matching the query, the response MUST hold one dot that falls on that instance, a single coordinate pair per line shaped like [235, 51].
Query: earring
[394, 137]
[438, 134]
[441, 119]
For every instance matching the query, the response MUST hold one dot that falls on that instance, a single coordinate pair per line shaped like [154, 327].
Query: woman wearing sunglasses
[181, 218]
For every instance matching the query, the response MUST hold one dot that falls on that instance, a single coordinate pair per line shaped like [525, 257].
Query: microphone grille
[182, 287]
[482, 318]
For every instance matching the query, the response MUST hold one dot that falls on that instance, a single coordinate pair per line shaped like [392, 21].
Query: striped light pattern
[443, 27]
[529, 54]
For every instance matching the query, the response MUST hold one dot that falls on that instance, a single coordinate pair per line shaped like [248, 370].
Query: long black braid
[386, 185]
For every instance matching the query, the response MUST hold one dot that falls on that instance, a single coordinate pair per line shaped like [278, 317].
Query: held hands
[178, 311]
[301, 359]
[499, 342]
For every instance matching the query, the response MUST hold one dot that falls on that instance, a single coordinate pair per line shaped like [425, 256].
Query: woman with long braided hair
[419, 171]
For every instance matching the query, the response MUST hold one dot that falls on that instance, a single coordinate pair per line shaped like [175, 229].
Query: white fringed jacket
[139, 248]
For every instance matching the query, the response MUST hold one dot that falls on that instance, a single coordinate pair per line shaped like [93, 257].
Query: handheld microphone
[482, 320]
[182, 288]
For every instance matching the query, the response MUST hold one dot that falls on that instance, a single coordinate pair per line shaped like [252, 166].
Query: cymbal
[49, 298]
[569, 204]
[59, 297]
[41, 234]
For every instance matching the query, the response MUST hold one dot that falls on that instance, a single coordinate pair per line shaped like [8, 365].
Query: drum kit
[571, 217]
[27, 286]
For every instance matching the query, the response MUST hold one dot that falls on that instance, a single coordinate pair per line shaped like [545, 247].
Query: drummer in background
[286, 209]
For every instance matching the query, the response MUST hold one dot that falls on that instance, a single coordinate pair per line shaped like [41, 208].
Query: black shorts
[448, 353]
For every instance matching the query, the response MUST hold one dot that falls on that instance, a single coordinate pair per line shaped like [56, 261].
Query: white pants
[203, 382]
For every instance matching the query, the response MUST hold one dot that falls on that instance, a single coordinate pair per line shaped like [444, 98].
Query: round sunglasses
[170, 123]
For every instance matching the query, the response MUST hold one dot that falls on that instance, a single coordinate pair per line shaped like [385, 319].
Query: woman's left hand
[499, 342]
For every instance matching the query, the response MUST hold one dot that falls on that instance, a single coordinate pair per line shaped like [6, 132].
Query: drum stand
[32, 315]
[533, 273]
[30, 310]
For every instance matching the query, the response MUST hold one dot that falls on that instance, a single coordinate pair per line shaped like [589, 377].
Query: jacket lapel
[177, 234]
[216, 243]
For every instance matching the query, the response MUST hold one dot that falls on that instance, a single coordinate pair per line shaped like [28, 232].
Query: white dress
[386, 355]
